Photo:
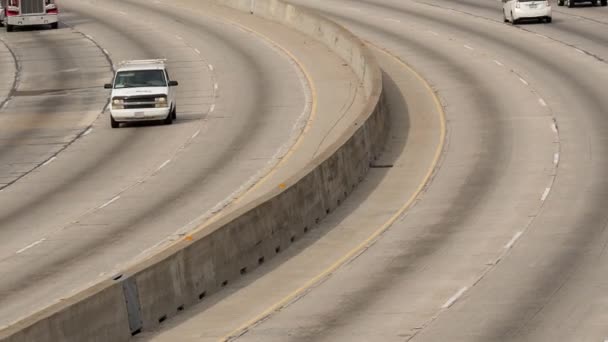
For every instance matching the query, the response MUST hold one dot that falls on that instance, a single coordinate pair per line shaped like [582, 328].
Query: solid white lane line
[197, 51]
[580, 51]
[523, 81]
[163, 164]
[212, 108]
[89, 36]
[513, 240]
[106, 51]
[49, 161]
[110, 202]
[210, 67]
[542, 102]
[545, 194]
[468, 47]
[454, 298]
[498, 63]
[34, 244]
[88, 131]
[392, 20]
[196, 134]
[541, 35]
[556, 158]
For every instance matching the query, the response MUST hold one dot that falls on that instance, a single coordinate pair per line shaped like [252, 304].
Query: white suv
[142, 91]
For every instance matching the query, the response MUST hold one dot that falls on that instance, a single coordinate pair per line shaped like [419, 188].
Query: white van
[142, 91]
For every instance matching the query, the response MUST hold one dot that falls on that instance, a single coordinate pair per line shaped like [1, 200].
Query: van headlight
[161, 102]
[118, 104]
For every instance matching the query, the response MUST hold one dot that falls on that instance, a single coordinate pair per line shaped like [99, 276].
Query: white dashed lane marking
[110, 202]
[454, 298]
[542, 102]
[163, 164]
[556, 158]
[468, 47]
[513, 240]
[523, 81]
[498, 63]
[212, 108]
[545, 194]
[34, 244]
[49, 161]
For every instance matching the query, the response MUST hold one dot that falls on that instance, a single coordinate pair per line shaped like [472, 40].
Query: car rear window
[140, 78]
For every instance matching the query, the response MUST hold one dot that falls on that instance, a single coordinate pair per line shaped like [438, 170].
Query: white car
[142, 91]
[517, 10]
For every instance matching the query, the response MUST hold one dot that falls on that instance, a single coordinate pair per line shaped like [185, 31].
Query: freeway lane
[113, 194]
[508, 241]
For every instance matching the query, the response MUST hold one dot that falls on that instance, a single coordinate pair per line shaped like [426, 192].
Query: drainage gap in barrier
[339, 202]
[224, 283]
[162, 318]
[327, 211]
[136, 332]
[381, 166]
[202, 295]
[117, 277]
[277, 249]
[293, 238]
[180, 308]
[260, 260]
[243, 270]
[317, 220]
[306, 229]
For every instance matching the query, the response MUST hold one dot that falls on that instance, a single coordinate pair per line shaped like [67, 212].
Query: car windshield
[140, 78]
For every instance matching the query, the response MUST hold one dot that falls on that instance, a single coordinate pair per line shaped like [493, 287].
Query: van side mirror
[107, 86]
[173, 83]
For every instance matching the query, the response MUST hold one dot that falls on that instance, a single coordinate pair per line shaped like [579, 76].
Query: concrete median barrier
[147, 294]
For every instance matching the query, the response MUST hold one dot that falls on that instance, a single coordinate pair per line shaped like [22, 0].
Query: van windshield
[140, 78]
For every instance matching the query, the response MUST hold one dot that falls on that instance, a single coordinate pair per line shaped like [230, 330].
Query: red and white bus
[29, 13]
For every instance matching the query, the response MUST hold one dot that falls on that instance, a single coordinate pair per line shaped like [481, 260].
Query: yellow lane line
[371, 239]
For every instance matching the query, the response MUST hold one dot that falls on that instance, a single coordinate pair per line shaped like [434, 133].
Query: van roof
[142, 64]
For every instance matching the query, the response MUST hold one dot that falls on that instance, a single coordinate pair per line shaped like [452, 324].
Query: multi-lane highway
[80, 200]
[484, 220]
[507, 240]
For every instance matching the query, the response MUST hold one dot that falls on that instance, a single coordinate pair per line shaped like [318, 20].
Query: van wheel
[504, 17]
[113, 123]
[548, 19]
[168, 120]
[560, 2]
[604, 2]
[9, 28]
[54, 26]
[570, 3]
[174, 113]
[513, 21]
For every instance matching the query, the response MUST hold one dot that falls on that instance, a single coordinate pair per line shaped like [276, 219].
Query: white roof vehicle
[2, 11]
[142, 91]
[517, 10]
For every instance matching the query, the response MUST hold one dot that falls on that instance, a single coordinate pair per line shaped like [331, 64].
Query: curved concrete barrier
[145, 295]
